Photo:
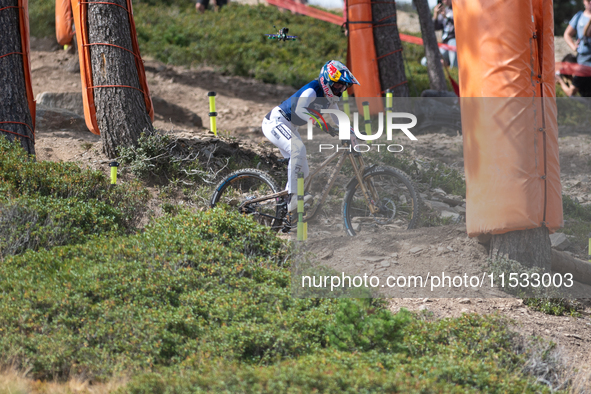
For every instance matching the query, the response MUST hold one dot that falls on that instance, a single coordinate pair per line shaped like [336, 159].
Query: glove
[331, 130]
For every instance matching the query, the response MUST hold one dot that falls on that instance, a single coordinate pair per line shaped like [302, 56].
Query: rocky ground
[241, 105]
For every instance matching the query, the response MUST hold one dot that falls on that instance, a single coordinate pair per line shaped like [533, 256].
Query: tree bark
[434, 66]
[388, 48]
[14, 106]
[531, 248]
[120, 111]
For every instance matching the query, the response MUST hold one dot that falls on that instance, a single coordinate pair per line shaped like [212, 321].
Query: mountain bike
[376, 197]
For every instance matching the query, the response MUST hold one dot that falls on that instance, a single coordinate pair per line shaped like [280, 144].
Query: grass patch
[46, 204]
[549, 300]
[577, 222]
[233, 41]
[202, 302]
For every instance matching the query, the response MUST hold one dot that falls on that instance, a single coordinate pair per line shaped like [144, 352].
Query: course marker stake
[346, 104]
[212, 114]
[302, 231]
[114, 165]
[367, 119]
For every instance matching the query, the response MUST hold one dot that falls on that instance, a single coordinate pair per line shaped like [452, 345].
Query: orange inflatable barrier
[63, 22]
[23, 15]
[362, 60]
[80, 11]
[509, 115]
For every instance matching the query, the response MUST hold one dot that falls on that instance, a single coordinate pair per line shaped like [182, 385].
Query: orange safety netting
[80, 11]
[23, 14]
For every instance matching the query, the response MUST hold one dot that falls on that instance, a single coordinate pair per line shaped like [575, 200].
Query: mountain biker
[280, 124]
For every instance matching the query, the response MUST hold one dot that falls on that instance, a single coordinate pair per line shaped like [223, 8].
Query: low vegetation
[174, 33]
[202, 302]
[46, 204]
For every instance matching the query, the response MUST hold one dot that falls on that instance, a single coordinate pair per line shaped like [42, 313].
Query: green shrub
[467, 354]
[42, 18]
[191, 286]
[45, 204]
[359, 326]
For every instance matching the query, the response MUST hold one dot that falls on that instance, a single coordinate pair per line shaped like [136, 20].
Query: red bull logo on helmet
[333, 73]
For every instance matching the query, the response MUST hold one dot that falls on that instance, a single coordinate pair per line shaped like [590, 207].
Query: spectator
[565, 80]
[443, 19]
[580, 27]
[202, 5]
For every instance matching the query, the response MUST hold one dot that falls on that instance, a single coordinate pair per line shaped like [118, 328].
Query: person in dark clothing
[202, 5]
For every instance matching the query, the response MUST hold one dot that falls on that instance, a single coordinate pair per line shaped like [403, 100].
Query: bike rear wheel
[248, 184]
[391, 191]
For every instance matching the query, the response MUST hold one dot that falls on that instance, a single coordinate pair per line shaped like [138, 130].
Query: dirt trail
[242, 103]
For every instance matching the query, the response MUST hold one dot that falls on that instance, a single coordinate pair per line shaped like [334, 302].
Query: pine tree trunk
[14, 106]
[434, 66]
[388, 48]
[121, 112]
[531, 248]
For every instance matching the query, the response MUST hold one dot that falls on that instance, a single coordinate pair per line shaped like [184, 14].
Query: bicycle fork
[369, 191]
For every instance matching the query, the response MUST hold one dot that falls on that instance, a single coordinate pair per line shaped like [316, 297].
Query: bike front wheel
[248, 184]
[395, 200]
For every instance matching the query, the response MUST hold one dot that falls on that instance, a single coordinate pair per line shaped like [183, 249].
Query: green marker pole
[212, 113]
[367, 118]
[113, 166]
[346, 104]
[589, 252]
[389, 108]
[302, 231]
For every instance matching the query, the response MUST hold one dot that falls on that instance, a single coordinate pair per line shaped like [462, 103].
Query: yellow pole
[302, 231]
[388, 102]
[212, 113]
[367, 119]
[346, 104]
[113, 166]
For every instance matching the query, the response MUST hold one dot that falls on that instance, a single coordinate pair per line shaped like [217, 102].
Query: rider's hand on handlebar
[331, 130]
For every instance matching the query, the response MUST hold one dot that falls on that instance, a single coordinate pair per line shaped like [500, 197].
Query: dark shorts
[583, 84]
[205, 3]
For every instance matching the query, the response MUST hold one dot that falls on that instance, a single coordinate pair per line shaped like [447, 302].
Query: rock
[436, 205]
[374, 259]
[440, 191]
[559, 241]
[49, 119]
[453, 215]
[416, 249]
[176, 113]
[464, 301]
[385, 264]
[71, 101]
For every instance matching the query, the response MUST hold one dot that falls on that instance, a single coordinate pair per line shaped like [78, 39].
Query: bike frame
[358, 168]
